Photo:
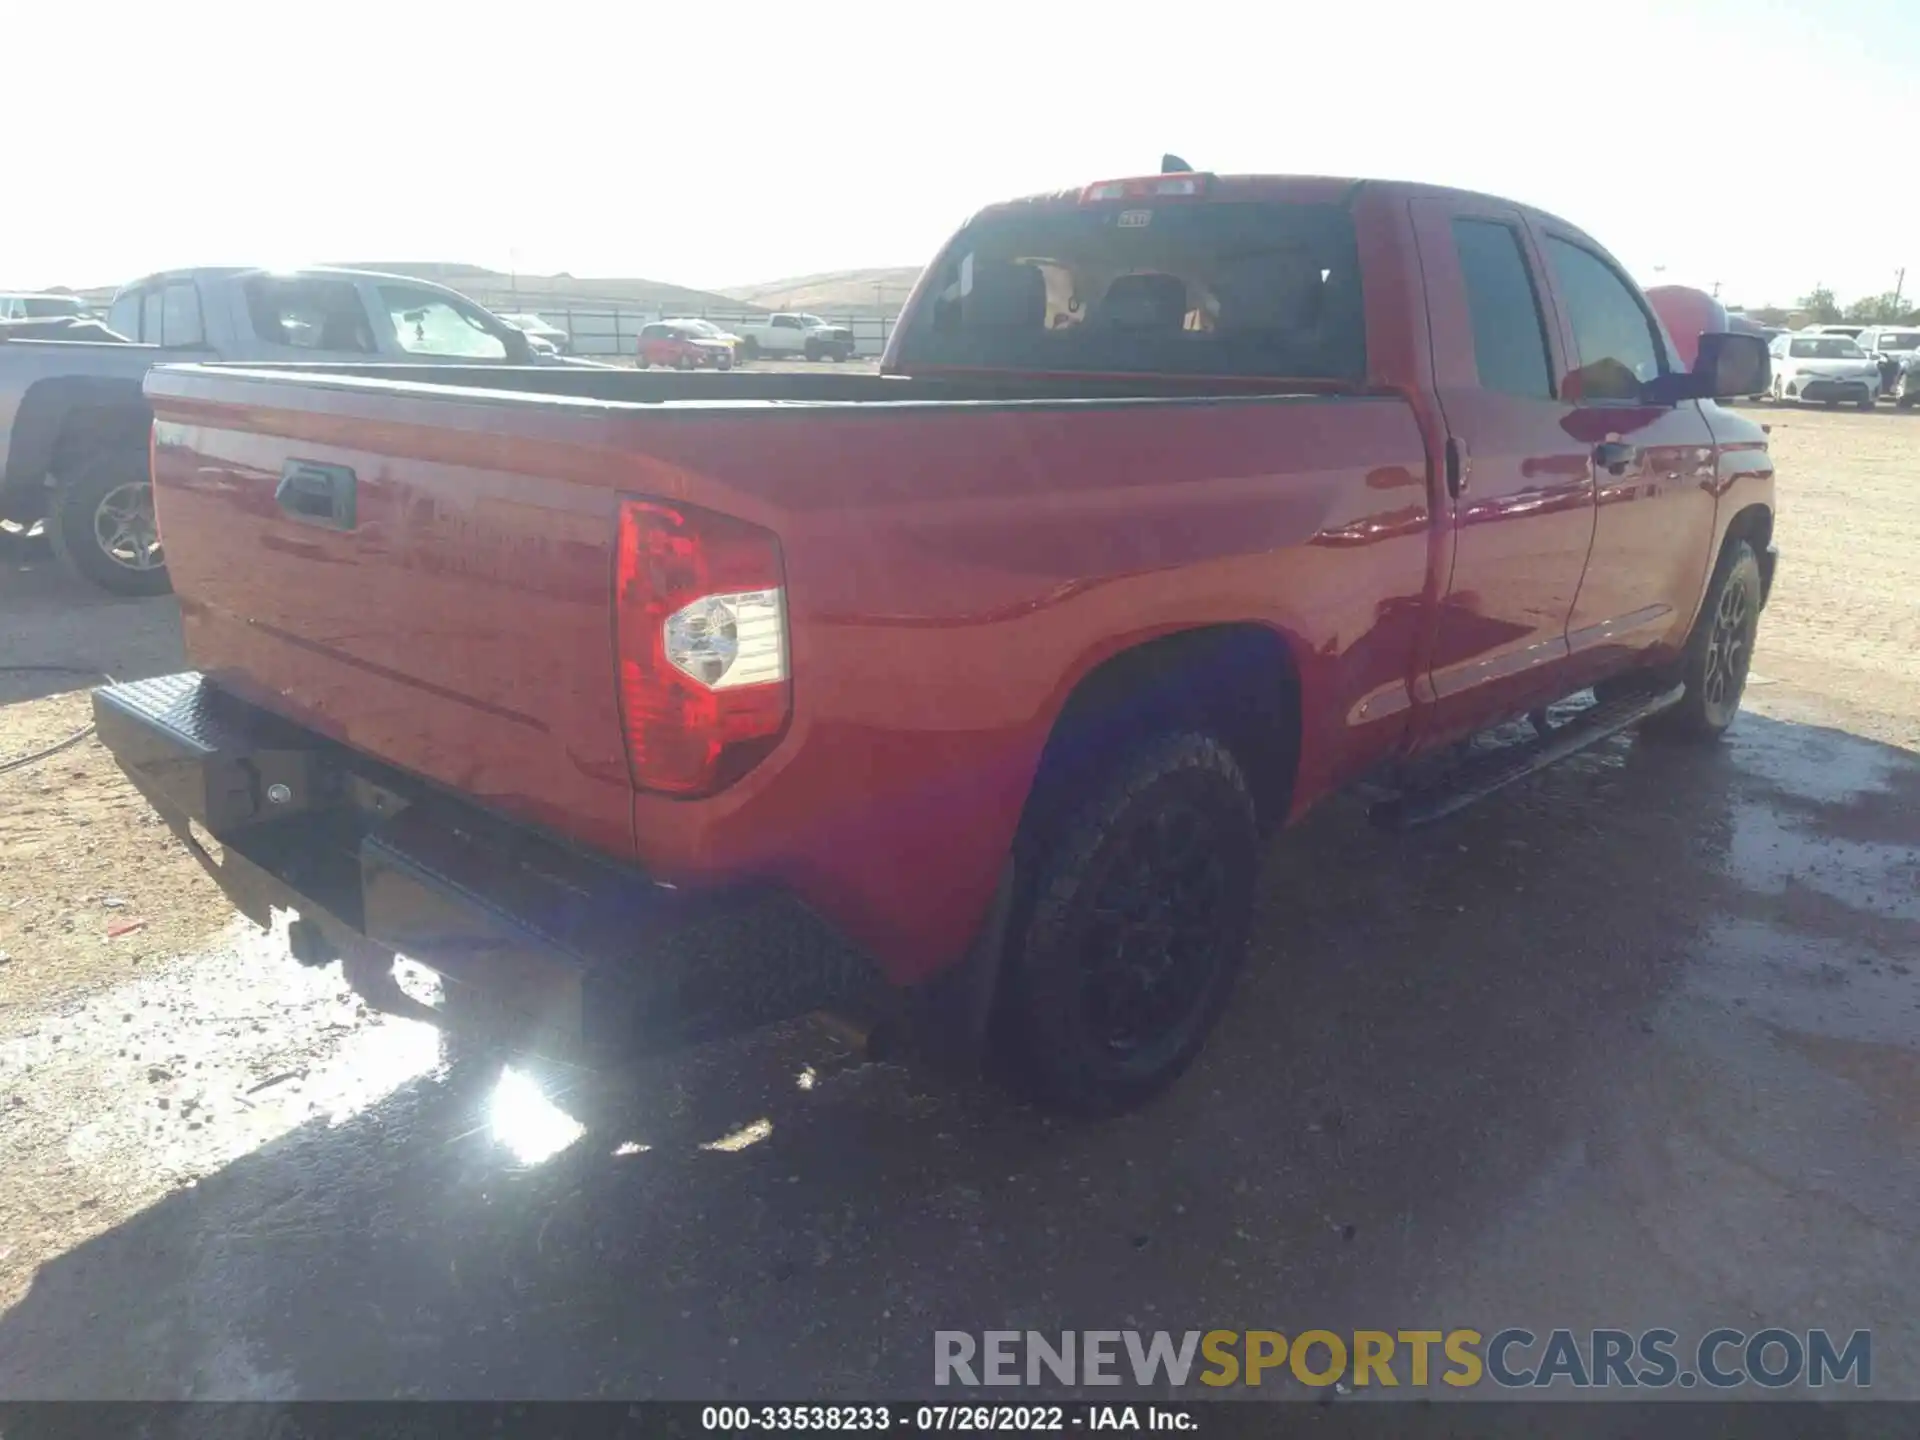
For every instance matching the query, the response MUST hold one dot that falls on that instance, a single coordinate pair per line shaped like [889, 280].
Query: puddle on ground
[1806, 984]
[1769, 850]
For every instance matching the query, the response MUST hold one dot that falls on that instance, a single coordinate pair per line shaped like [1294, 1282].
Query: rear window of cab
[1230, 288]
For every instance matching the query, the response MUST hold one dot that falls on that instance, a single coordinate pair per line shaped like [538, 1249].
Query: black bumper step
[1482, 772]
[584, 948]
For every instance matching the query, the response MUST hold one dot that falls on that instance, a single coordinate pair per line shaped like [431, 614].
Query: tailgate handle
[317, 494]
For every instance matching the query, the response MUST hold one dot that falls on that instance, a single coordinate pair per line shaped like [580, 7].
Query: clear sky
[1768, 146]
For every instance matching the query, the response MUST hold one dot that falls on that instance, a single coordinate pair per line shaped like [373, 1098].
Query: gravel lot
[1634, 1043]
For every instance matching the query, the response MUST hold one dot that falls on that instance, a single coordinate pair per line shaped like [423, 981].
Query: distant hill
[875, 291]
[840, 291]
[500, 291]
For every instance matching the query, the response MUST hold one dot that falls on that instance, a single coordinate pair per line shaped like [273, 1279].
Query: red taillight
[700, 631]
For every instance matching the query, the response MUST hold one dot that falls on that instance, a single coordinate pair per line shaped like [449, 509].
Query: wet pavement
[1635, 1043]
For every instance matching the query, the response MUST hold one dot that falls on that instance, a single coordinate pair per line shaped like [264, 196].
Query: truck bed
[958, 552]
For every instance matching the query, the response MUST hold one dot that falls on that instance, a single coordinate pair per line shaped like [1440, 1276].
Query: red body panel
[953, 570]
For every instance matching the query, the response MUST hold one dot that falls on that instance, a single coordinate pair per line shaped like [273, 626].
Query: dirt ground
[1635, 1041]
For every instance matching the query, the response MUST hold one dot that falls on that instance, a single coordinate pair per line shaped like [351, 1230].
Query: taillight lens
[701, 632]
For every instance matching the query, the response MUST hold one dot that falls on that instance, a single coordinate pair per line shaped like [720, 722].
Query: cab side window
[124, 316]
[308, 313]
[1509, 336]
[427, 323]
[180, 316]
[1619, 347]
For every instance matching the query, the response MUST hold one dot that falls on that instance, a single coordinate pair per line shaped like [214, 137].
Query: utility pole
[1899, 284]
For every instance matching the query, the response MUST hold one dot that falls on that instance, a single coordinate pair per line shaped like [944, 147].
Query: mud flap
[950, 1018]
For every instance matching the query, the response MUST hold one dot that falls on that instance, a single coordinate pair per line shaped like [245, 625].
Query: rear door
[1653, 466]
[1518, 478]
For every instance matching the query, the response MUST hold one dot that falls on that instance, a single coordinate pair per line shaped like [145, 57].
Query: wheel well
[1754, 525]
[91, 429]
[1236, 682]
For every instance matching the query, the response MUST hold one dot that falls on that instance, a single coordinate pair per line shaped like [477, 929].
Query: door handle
[1457, 466]
[316, 494]
[1615, 456]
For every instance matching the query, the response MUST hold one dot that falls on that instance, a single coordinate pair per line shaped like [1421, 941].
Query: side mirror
[519, 347]
[1726, 367]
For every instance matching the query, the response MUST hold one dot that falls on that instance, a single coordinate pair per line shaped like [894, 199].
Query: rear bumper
[541, 945]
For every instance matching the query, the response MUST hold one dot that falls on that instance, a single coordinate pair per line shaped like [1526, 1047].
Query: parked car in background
[1896, 350]
[677, 345]
[541, 331]
[714, 332]
[1848, 329]
[1832, 369]
[742, 708]
[788, 335]
[32, 305]
[74, 424]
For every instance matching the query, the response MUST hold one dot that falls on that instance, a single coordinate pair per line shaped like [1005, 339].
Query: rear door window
[1509, 335]
[123, 318]
[180, 316]
[1186, 288]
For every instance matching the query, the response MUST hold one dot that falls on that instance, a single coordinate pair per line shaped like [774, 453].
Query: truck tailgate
[430, 590]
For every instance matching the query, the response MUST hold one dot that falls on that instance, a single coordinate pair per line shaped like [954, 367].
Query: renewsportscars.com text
[1720, 1359]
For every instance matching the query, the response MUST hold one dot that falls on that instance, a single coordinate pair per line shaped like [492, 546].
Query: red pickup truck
[647, 706]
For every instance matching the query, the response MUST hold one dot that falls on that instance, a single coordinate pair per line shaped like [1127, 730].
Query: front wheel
[102, 524]
[1868, 403]
[1720, 650]
[750, 349]
[1125, 948]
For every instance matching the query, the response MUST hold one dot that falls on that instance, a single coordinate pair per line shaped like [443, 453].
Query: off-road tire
[1719, 651]
[72, 515]
[1094, 888]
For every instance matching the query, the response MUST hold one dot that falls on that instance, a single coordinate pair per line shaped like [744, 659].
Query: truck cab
[314, 315]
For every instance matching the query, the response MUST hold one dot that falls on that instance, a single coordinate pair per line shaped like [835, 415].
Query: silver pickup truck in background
[74, 423]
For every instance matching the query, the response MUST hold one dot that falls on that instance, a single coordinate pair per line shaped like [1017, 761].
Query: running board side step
[1480, 774]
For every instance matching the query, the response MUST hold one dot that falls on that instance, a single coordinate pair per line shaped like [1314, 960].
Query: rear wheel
[102, 525]
[1124, 950]
[1719, 651]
